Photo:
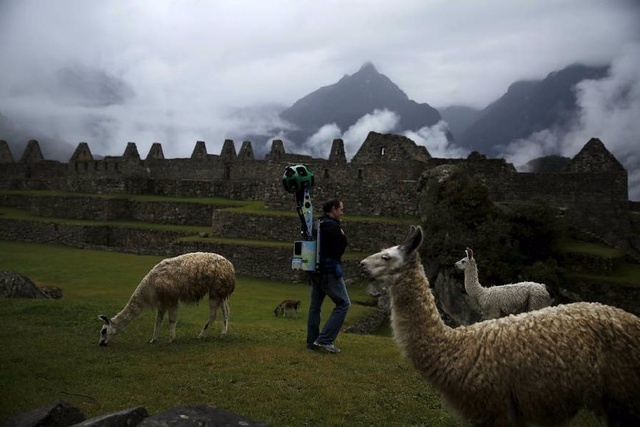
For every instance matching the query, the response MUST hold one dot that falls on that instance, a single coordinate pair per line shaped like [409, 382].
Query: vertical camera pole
[298, 180]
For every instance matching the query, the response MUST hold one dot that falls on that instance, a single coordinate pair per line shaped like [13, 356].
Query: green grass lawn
[592, 249]
[625, 273]
[255, 207]
[260, 369]
[136, 197]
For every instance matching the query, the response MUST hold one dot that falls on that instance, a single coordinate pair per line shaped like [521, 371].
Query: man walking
[329, 281]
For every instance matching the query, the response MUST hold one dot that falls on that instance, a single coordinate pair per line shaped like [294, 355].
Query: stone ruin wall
[271, 260]
[597, 201]
[380, 180]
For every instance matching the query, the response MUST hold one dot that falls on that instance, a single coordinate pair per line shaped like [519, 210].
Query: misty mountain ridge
[78, 85]
[17, 137]
[459, 118]
[528, 107]
[71, 86]
[351, 98]
[91, 87]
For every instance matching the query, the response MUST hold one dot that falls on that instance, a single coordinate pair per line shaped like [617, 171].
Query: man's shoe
[313, 346]
[327, 347]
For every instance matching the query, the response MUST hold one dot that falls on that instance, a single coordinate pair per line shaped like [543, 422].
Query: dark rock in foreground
[14, 285]
[63, 414]
[197, 416]
[58, 414]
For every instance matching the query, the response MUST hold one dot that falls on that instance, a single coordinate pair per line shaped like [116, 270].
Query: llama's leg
[537, 302]
[491, 313]
[225, 315]
[173, 320]
[157, 325]
[213, 308]
[529, 304]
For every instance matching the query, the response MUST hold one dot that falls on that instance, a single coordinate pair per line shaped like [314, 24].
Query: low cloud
[436, 141]
[434, 138]
[319, 144]
[609, 109]
[381, 121]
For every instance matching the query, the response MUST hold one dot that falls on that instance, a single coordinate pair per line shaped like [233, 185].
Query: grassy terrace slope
[37, 207]
[163, 226]
[261, 369]
[253, 207]
[623, 271]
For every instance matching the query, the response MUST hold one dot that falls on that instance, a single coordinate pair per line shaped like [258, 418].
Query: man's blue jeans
[323, 285]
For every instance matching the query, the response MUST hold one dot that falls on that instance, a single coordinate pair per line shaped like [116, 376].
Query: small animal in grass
[287, 305]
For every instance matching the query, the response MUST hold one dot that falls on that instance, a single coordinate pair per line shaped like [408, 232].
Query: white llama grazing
[500, 301]
[539, 367]
[186, 278]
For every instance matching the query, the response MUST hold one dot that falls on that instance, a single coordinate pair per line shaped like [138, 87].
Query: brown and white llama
[186, 278]
[539, 367]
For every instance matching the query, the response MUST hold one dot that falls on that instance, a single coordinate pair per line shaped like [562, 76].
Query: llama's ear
[469, 253]
[413, 240]
[105, 319]
[412, 229]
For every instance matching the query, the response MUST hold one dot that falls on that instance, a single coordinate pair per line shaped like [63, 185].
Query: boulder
[58, 414]
[198, 416]
[14, 285]
[54, 292]
[63, 414]
[126, 418]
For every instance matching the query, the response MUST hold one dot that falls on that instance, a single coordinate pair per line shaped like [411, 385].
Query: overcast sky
[191, 65]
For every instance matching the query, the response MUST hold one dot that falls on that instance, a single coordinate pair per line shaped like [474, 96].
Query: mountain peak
[527, 107]
[368, 67]
[353, 97]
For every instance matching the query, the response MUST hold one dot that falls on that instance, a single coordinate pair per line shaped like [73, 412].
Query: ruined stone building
[380, 180]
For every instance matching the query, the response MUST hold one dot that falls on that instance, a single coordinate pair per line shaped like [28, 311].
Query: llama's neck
[133, 309]
[417, 326]
[471, 283]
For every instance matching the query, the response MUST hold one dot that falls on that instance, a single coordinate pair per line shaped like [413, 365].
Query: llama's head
[107, 330]
[466, 261]
[388, 264]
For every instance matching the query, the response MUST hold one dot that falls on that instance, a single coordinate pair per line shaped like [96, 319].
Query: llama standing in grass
[539, 367]
[186, 278]
[500, 301]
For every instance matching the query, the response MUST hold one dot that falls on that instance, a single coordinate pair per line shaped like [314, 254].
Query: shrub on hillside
[510, 240]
